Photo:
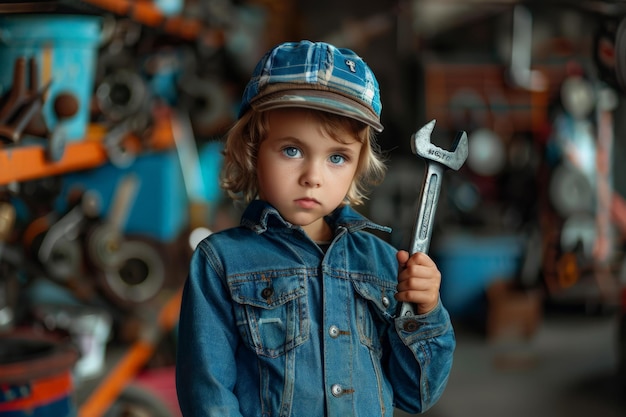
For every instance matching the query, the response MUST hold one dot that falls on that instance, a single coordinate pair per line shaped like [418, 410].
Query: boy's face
[302, 171]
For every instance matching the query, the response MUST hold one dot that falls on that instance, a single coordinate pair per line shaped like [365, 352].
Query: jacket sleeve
[420, 359]
[207, 341]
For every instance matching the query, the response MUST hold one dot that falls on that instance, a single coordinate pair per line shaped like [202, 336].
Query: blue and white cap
[315, 75]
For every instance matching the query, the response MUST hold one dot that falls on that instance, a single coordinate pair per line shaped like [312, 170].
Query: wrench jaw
[420, 140]
[460, 150]
[421, 145]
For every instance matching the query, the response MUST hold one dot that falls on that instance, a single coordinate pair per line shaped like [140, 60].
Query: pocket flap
[380, 294]
[267, 290]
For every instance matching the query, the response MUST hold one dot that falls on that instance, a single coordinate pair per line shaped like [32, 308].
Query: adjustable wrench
[437, 160]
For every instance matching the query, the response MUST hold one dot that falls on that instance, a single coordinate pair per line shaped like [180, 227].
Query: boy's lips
[307, 202]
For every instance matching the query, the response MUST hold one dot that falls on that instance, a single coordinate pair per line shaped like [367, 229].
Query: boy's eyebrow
[344, 149]
[292, 139]
[287, 139]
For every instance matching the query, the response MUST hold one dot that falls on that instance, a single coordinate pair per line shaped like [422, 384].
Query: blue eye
[291, 152]
[337, 159]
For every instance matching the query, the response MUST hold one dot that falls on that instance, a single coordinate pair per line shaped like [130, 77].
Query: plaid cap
[314, 75]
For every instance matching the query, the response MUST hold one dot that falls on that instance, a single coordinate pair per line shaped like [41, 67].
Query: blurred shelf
[147, 13]
[27, 162]
[22, 163]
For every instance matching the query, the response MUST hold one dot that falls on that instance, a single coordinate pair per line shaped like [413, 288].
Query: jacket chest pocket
[271, 311]
[375, 304]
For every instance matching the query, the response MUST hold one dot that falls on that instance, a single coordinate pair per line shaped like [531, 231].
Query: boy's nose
[311, 177]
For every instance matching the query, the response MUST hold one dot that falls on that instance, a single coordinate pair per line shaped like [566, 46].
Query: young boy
[294, 312]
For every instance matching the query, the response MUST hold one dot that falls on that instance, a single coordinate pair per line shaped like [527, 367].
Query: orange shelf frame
[23, 163]
[28, 162]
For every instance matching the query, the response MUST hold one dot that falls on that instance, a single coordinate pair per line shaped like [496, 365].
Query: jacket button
[333, 331]
[336, 390]
[267, 292]
[385, 301]
[410, 326]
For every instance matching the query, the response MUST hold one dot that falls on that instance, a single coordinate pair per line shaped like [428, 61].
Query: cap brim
[318, 100]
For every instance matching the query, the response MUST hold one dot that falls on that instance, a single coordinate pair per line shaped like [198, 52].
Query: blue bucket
[65, 51]
[469, 264]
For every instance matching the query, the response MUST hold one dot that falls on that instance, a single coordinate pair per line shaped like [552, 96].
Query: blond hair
[238, 176]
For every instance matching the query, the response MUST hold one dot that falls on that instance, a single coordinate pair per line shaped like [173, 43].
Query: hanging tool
[131, 271]
[65, 107]
[124, 99]
[9, 283]
[105, 239]
[23, 102]
[437, 160]
[521, 74]
[60, 251]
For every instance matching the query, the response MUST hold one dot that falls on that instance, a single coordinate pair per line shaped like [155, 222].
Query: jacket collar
[260, 216]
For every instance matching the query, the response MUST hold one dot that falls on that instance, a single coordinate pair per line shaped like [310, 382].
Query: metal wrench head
[454, 159]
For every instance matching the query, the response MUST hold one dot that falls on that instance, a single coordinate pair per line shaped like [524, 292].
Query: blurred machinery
[540, 204]
[108, 165]
[546, 156]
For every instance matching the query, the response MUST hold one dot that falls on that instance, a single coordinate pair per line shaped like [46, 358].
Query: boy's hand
[419, 280]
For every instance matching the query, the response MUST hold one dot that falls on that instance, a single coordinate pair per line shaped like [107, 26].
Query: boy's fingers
[402, 256]
[420, 258]
[418, 280]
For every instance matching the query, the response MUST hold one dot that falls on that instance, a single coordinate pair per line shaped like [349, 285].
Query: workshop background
[111, 119]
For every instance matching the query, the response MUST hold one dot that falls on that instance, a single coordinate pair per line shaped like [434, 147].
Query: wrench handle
[424, 220]
[426, 210]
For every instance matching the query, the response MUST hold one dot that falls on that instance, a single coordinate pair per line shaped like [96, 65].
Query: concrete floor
[568, 369]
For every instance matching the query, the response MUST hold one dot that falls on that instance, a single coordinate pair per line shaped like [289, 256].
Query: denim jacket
[271, 325]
